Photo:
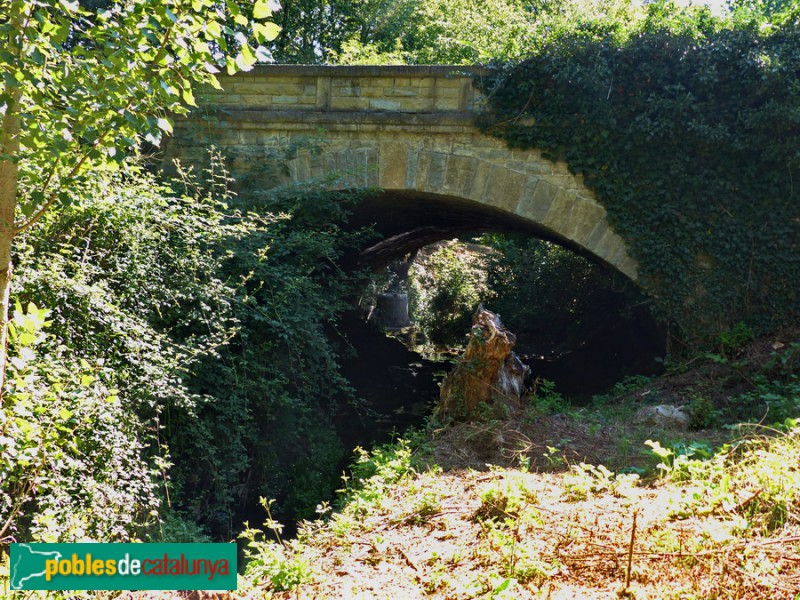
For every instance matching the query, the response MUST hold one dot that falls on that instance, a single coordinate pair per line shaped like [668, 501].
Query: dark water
[399, 387]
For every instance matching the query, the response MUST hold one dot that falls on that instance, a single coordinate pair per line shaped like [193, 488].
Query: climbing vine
[690, 138]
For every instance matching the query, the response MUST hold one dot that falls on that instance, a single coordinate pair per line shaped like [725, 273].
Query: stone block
[346, 168]
[526, 206]
[536, 203]
[584, 218]
[596, 235]
[324, 93]
[448, 83]
[393, 92]
[270, 88]
[560, 213]
[302, 169]
[629, 267]
[346, 92]
[373, 92]
[535, 167]
[423, 162]
[608, 246]
[254, 100]
[451, 93]
[358, 104]
[412, 166]
[422, 82]
[392, 166]
[417, 104]
[341, 82]
[619, 255]
[437, 167]
[285, 100]
[460, 174]
[504, 188]
[317, 166]
[445, 104]
[477, 188]
[384, 105]
[373, 167]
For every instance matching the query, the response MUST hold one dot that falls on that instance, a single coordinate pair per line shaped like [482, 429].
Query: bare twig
[630, 550]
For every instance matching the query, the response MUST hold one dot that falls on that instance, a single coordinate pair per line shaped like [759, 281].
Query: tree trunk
[9, 178]
[9, 153]
[488, 373]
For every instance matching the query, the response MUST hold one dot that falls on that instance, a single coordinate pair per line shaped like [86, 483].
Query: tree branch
[97, 143]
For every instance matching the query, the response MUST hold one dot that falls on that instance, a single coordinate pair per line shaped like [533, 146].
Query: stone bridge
[407, 131]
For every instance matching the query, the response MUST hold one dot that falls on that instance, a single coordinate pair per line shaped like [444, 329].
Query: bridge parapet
[397, 89]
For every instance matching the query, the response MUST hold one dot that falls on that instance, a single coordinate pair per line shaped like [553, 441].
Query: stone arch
[402, 129]
[481, 170]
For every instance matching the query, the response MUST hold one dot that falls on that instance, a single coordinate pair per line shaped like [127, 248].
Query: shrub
[71, 461]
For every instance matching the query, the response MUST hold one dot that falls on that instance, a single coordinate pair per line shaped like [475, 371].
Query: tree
[435, 31]
[81, 88]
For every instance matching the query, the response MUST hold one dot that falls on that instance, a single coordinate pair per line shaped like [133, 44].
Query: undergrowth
[707, 520]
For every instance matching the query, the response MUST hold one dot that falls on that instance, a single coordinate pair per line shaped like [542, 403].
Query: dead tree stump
[489, 372]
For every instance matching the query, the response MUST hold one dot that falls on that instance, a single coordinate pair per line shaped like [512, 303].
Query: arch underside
[485, 187]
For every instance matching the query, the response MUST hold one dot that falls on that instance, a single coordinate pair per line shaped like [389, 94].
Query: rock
[392, 309]
[488, 372]
[664, 416]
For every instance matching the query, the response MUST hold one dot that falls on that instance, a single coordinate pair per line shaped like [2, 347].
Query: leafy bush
[71, 461]
[276, 564]
[445, 291]
[756, 478]
[372, 473]
[266, 426]
[216, 321]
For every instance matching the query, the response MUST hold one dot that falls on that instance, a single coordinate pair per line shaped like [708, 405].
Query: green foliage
[687, 132]
[373, 473]
[550, 296]
[756, 479]
[764, 11]
[436, 31]
[463, 32]
[585, 480]
[734, 339]
[86, 86]
[275, 564]
[274, 391]
[216, 322]
[702, 412]
[546, 399]
[130, 274]
[445, 291]
[71, 462]
[506, 498]
[772, 400]
[382, 31]
[507, 509]
[773, 390]
[675, 461]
